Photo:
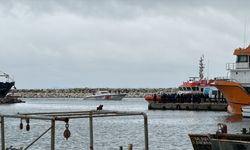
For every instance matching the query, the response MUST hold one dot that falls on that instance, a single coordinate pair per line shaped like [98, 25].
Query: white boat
[245, 111]
[105, 95]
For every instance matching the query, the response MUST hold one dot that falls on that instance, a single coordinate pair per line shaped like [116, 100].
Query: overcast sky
[118, 43]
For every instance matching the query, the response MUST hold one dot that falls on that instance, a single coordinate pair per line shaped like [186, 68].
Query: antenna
[201, 67]
[208, 69]
[245, 32]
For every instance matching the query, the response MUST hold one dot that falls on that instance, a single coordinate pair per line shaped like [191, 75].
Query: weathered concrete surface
[81, 92]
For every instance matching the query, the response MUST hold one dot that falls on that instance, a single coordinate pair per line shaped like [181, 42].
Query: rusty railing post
[2, 133]
[145, 130]
[53, 134]
[130, 147]
[91, 147]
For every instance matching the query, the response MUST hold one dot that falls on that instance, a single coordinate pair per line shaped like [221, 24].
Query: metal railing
[66, 116]
[232, 66]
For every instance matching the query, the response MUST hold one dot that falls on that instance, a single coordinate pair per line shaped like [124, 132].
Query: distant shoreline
[81, 92]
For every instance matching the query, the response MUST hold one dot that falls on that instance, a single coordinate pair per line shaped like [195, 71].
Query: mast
[201, 68]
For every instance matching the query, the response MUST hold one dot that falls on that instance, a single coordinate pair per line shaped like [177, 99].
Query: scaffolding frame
[65, 116]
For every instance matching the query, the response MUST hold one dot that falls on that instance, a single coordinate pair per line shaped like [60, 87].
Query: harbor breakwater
[81, 92]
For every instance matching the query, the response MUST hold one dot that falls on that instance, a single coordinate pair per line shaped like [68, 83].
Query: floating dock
[188, 106]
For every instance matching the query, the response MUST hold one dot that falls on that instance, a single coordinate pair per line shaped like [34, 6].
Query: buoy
[66, 132]
[27, 126]
[21, 125]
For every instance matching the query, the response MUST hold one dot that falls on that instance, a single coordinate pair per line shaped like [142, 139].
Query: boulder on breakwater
[81, 92]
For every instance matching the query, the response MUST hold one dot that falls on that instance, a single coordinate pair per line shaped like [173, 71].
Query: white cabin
[240, 70]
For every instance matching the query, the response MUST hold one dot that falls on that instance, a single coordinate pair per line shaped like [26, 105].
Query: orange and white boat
[236, 88]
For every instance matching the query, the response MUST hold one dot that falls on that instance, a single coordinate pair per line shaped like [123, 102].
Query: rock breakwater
[81, 92]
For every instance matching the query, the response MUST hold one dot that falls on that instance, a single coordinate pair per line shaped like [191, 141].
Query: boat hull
[221, 144]
[235, 95]
[150, 98]
[5, 88]
[220, 141]
[105, 97]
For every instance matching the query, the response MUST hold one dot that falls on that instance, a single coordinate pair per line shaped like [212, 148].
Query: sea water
[168, 130]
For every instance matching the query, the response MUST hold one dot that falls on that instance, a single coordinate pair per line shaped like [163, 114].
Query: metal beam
[2, 133]
[91, 147]
[145, 130]
[52, 134]
[37, 138]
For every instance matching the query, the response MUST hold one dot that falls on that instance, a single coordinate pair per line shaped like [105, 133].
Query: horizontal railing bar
[28, 117]
[71, 115]
[62, 118]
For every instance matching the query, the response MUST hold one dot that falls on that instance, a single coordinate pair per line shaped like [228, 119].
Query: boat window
[194, 88]
[214, 92]
[247, 89]
[242, 58]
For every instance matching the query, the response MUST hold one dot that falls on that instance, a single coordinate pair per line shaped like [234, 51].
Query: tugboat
[194, 86]
[236, 87]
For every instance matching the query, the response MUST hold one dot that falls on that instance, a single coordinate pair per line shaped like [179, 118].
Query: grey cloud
[116, 43]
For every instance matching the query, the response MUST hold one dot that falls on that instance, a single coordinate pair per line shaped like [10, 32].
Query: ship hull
[5, 88]
[150, 98]
[221, 141]
[235, 95]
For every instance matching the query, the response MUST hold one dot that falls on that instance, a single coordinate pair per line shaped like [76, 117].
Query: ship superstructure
[6, 83]
[236, 87]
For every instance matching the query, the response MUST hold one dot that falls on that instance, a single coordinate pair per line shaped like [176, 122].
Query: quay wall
[208, 106]
[81, 92]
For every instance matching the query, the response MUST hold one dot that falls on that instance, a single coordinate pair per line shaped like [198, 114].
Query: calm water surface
[168, 130]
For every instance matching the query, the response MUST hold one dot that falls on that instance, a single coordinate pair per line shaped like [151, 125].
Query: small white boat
[245, 111]
[105, 95]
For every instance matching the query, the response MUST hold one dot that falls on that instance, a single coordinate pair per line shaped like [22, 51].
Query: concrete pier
[188, 106]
